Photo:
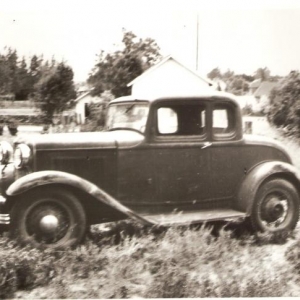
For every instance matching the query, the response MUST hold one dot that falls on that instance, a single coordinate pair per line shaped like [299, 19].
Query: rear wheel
[276, 207]
[52, 218]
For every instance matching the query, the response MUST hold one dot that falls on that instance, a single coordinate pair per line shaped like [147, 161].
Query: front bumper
[4, 218]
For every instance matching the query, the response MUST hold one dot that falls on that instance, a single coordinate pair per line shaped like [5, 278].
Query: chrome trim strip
[4, 219]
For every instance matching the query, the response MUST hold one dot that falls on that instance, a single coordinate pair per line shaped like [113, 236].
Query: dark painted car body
[197, 165]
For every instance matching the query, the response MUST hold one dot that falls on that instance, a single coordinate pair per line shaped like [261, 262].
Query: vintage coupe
[167, 161]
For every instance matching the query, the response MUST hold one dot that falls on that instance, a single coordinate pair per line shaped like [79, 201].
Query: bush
[284, 108]
[22, 268]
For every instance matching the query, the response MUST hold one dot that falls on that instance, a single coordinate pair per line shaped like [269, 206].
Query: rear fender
[42, 178]
[260, 174]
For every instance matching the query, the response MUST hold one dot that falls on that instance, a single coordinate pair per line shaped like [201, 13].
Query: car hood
[87, 140]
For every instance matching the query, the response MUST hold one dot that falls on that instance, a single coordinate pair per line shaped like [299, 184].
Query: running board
[186, 218]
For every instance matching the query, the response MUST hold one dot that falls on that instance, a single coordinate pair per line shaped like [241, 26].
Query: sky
[238, 35]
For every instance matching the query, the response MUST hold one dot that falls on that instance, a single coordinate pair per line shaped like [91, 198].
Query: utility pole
[197, 41]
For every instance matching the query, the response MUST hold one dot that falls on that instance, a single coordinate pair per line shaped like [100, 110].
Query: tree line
[283, 108]
[238, 84]
[50, 83]
[16, 78]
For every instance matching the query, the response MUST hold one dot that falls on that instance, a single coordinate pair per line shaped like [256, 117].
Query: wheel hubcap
[49, 224]
[273, 210]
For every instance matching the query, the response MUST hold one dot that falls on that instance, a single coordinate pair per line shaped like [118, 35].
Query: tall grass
[175, 263]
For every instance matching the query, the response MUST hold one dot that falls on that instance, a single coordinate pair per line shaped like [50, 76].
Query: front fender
[261, 173]
[41, 178]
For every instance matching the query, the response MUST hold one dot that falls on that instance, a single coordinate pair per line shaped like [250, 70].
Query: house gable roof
[82, 96]
[265, 88]
[255, 83]
[163, 61]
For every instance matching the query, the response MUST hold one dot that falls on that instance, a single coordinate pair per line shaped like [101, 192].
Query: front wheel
[52, 218]
[276, 207]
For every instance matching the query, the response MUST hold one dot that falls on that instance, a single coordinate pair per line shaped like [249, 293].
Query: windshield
[127, 115]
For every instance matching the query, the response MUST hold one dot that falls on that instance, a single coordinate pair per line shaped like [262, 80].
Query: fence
[16, 104]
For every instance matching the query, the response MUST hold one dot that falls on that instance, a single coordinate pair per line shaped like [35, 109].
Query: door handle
[207, 144]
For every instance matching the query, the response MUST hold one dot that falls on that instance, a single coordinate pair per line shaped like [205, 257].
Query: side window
[167, 120]
[223, 121]
[181, 120]
[220, 119]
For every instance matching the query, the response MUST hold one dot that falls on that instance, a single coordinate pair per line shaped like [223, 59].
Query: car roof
[211, 95]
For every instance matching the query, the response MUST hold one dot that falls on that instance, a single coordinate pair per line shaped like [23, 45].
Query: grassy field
[189, 262]
[172, 264]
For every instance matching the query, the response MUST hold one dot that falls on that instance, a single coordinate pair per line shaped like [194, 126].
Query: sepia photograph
[149, 149]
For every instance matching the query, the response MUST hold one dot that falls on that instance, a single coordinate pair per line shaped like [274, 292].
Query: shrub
[22, 268]
[284, 108]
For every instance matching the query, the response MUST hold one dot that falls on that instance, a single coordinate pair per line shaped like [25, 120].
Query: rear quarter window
[223, 121]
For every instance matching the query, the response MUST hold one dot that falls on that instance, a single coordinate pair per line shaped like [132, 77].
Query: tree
[4, 76]
[8, 71]
[23, 83]
[12, 60]
[214, 73]
[248, 78]
[238, 85]
[54, 89]
[262, 73]
[115, 70]
[284, 108]
[15, 77]
[228, 75]
[35, 71]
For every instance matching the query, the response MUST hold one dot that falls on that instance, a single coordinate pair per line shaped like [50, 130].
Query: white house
[263, 92]
[82, 104]
[260, 91]
[169, 77]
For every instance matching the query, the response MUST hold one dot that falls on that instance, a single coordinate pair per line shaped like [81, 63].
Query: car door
[180, 152]
[227, 161]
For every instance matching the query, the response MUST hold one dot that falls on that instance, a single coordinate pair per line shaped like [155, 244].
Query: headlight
[22, 155]
[6, 151]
